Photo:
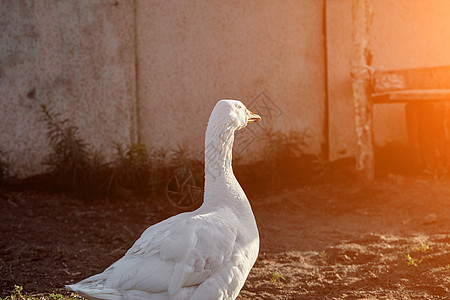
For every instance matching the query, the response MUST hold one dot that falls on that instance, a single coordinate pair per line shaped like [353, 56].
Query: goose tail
[95, 292]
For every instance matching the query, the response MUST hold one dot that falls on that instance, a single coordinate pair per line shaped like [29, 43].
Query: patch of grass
[17, 295]
[420, 252]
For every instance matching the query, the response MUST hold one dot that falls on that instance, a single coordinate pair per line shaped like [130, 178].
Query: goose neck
[218, 155]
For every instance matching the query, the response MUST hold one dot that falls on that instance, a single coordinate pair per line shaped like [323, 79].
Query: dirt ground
[387, 240]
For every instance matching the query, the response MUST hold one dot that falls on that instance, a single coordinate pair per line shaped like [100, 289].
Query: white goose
[204, 254]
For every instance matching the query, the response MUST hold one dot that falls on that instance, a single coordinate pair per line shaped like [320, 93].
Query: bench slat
[412, 95]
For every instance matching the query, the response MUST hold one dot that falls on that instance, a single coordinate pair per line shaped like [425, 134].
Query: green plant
[323, 257]
[70, 160]
[159, 171]
[87, 174]
[276, 276]
[419, 250]
[280, 145]
[422, 248]
[284, 154]
[186, 164]
[131, 169]
[17, 294]
[321, 165]
[159, 156]
[413, 261]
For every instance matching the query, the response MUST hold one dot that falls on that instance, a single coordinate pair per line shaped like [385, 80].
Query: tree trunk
[361, 74]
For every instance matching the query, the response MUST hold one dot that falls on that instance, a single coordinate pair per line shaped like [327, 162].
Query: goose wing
[182, 251]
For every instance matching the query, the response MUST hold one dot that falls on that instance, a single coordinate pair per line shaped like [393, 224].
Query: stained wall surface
[193, 53]
[77, 57]
[81, 58]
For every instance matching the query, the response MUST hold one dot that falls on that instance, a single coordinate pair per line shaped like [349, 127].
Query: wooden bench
[426, 92]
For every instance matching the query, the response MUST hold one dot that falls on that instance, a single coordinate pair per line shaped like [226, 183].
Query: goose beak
[252, 117]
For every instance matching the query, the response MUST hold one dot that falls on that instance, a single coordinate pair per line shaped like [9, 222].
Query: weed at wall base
[85, 173]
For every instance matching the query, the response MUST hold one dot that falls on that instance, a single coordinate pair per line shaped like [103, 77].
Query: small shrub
[280, 145]
[70, 160]
[131, 169]
[186, 165]
[285, 157]
[160, 170]
[86, 173]
[321, 166]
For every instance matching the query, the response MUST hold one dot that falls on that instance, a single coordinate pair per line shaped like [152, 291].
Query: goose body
[204, 254]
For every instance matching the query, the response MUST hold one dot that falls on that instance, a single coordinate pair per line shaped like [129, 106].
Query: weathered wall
[193, 53]
[404, 34]
[75, 56]
[78, 57]
[342, 135]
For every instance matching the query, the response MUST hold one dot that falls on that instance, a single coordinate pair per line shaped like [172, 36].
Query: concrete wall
[75, 56]
[404, 34]
[342, 135]
[193, 53]
[78, 57]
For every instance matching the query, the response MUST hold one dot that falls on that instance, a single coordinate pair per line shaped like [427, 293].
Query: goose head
[232, 114]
